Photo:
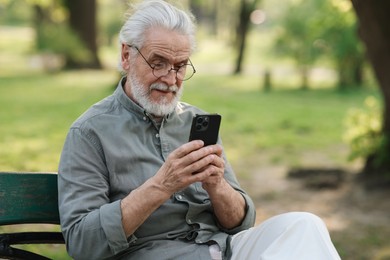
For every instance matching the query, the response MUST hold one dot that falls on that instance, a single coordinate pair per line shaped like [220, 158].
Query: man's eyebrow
[156, 56]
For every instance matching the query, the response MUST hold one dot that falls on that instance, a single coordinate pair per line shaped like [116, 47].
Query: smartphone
[205, 128]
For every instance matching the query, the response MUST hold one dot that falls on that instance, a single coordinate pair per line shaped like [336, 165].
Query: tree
[54, 38]
[73, 42]
[374, 31]
[82, 20]
[338, 26]
[296, 35]
[246, 8]
[328, 31]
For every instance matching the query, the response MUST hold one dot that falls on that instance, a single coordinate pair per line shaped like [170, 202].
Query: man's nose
[171, 78]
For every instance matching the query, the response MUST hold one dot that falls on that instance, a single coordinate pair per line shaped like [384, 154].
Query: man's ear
[125, 55]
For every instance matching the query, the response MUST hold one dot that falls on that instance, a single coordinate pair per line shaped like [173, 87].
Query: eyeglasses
[162, 68]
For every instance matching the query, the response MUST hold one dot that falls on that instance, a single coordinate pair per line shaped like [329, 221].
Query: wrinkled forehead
[166, 43]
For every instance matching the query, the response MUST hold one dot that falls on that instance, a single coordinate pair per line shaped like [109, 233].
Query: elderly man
[131, 186]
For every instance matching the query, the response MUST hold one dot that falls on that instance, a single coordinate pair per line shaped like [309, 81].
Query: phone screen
[205, 128]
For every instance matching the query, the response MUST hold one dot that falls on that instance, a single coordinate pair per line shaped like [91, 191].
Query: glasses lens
[160, 70]
[183, 73]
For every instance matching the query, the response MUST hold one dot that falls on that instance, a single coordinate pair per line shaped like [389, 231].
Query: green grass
[37, 110]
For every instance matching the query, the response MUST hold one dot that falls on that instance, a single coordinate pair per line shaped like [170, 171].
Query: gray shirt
[113, 148]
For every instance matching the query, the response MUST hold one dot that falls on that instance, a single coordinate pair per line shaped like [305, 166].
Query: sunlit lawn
[36, 110]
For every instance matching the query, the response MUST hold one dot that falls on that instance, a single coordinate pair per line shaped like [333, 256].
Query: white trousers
[292, 236]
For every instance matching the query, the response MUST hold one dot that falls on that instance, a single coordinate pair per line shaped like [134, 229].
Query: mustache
[164, 87]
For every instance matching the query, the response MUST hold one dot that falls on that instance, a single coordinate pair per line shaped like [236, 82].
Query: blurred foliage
[310, 30]
[59, 39]
[111, 15]
[298, 30]
[53, 35]
[341, 42]
[363, 130]
[14, 12]
[307, 31]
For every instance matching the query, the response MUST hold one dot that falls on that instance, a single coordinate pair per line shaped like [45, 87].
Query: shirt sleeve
[90, 222]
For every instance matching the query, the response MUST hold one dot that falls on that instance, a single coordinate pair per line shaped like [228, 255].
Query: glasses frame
[172, 68]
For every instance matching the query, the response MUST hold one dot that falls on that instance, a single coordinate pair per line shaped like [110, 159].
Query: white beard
[141, 95]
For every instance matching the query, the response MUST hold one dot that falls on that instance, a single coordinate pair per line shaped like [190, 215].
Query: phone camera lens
[202, 123]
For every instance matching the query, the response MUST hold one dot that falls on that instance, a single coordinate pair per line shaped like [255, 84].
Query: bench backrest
[28, 198]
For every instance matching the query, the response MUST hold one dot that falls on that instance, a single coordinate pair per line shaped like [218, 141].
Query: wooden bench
[28, 198]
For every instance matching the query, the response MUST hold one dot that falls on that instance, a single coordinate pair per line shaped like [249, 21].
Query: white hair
[156, 13]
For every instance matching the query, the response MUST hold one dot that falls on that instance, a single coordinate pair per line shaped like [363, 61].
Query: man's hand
[194, 163]
[190, 163]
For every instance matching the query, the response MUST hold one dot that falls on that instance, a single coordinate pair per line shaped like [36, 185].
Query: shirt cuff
[111, 221]
[249, 219]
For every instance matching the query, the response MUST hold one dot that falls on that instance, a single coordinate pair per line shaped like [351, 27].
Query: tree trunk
[39, 20]
[374, 30]
[304, 71]
[350, 72]
[82, 19]
[246, 8]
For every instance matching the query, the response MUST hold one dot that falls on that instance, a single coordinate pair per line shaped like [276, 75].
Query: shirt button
[144, 118]
[157, 136]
